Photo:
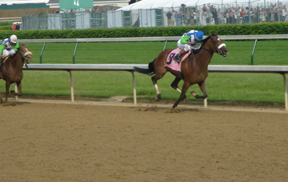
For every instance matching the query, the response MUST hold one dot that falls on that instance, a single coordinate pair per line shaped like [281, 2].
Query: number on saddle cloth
[174, 53]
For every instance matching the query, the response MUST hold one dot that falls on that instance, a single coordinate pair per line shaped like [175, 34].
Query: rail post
[165, 45]
[285, 94]
[134, 88]
[72, 86]
[255, 43]
[75, 52]
[42, 52]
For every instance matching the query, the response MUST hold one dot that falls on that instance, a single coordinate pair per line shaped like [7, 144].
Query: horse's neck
[203, 58]
[16, 62]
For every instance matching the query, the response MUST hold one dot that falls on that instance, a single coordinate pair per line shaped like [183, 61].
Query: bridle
[217, 48]
[24, 59]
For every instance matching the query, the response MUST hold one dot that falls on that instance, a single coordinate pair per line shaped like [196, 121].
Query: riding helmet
[13, 39]
[199, 35]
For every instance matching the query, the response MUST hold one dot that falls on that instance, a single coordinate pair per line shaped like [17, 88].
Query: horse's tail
[149, 71]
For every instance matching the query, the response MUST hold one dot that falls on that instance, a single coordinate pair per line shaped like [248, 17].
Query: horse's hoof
[158, 97]
[194, 93]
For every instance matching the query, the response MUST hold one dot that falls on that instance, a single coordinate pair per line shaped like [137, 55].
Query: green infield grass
[234, 87]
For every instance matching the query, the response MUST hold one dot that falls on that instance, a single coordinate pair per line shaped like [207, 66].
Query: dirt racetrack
[51, 141]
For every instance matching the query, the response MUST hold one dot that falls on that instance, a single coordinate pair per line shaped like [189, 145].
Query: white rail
[141, 39]
[129, 67]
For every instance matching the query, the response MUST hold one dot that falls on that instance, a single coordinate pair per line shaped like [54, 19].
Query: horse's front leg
[8, 83]
[202, 86]
[19, 86]
[185, 87]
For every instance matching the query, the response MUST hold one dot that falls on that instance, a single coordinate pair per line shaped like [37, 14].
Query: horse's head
[26, 54]
[218, 46]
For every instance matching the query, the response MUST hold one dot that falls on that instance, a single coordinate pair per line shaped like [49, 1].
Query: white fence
[129, 67]
[153, 39]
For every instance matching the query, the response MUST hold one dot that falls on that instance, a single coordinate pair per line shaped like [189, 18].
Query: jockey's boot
[178, 57]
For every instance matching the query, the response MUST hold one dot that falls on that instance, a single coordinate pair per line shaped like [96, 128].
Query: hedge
[242, 29]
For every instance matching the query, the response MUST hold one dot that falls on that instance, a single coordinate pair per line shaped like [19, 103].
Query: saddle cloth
[171, 63]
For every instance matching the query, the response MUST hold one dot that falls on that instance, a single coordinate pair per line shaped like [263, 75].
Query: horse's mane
[203, 43]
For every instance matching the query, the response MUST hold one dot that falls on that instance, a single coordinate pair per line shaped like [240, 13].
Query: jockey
[187, 42]
[9, 46]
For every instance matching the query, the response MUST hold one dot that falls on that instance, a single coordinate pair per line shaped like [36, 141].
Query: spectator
[198, 17]
[272, 15]
[261, 16]
[238, 15]
[231, 16]
[243, 15]
[214, 14]
[276, 14]
[284, 13]
[169, 16]
[219, 17]
[188, 18]
[177, 20]
[192, 17]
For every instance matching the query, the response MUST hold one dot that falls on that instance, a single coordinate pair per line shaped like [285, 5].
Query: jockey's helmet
[199, 35]
[13, 39]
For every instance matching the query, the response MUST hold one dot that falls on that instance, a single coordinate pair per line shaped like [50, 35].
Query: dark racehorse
[11, 69]
[194, 68]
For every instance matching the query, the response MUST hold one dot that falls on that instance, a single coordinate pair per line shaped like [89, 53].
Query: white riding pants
[10, 52]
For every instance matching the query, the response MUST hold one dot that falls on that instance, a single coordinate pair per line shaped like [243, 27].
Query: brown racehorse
[194, 68]
[11, 69]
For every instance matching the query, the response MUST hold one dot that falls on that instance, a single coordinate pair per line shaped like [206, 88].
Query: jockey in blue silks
[187, 42]
[9, 46]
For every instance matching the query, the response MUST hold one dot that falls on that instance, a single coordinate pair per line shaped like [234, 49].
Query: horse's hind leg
[202, 86]
[174, 84]
[154, 80]
[185, 87]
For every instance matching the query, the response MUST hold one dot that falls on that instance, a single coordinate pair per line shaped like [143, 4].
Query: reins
[5, 60]
[210, 50]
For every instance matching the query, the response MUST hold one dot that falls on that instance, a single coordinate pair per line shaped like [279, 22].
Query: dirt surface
[50, 140]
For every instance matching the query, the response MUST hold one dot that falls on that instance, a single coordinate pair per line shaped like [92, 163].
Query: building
[12, 10]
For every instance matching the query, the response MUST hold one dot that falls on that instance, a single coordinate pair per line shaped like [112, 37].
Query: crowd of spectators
[210, 15]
